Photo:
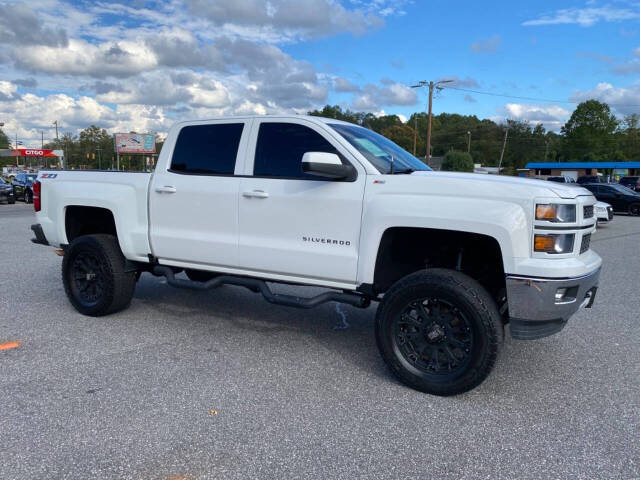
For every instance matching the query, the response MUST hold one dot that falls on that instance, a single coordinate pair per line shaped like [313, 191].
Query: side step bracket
[260, 286]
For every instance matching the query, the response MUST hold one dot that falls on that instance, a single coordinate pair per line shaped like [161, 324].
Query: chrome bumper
[539, 307]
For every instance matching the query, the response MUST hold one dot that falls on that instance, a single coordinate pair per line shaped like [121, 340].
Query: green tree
[590, 130]
[456, 161]
[403, 135]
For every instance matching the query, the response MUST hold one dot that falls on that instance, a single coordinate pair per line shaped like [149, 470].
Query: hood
[528, 186]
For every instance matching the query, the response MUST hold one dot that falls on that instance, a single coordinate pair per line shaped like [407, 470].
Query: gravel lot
[221, 384]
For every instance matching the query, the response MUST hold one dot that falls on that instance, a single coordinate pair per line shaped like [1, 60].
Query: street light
[431, 85]
[469, 143]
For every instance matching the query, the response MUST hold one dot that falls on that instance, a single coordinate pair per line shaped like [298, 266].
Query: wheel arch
[405, 250]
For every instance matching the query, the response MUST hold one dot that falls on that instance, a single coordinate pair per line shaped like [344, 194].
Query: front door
[292, 223]
[194, 202]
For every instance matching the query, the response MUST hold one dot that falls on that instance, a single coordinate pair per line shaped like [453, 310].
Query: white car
[604, 212]
[451, 257]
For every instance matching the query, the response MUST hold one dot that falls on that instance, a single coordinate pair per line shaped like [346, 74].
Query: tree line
[592, 133]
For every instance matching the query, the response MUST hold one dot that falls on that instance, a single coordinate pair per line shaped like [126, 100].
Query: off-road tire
[199, 275]
[106, 261]
[468, 298]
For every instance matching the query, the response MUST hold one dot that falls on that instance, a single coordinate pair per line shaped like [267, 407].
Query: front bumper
[536, 310]
[6, 195]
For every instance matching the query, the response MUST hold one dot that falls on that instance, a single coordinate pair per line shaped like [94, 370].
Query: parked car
[6, 192]
[588, 179]
[622, 199]
[562, 179]
[23, 186]
[307, 200]
[631, 182]
[604, 212]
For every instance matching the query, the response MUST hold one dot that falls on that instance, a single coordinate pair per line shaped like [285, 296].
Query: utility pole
[99, 149]
[469, 143]
[504, 145]
[432, 85]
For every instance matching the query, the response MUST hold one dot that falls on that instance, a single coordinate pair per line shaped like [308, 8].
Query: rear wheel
[634, 209]
[439, 331]
[200, 275]
[95, 277]
[28, 196]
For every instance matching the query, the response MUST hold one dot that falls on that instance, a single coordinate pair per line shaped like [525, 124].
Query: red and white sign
[35, 152]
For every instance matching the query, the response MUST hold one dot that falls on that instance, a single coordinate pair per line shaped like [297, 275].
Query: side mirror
[327, 165]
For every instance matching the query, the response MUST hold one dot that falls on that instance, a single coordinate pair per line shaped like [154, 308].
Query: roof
[571, 165]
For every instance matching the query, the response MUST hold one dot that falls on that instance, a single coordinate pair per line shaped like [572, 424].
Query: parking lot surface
[221, 384]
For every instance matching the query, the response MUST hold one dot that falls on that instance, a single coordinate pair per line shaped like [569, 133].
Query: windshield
[380, 151]
[31, 178]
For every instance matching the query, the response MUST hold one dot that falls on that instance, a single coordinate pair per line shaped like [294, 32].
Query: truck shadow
[238, 312]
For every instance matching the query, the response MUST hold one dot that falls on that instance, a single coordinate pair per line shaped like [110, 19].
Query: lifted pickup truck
[451, 258]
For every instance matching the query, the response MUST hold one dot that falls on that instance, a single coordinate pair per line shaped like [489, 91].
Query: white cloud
[623, 100]
[373, 97]
[551, 116]
[80, 57]
[586, 17]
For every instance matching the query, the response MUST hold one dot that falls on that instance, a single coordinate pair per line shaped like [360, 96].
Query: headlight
[553, 243]
[556, 212]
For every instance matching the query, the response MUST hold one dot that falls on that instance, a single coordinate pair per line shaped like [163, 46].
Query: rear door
[194, 202]
[292, 223]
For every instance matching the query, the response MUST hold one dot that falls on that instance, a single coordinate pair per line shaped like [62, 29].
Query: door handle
[255, 194]
[166, 189]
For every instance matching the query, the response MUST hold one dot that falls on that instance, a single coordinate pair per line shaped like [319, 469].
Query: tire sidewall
[485, 336]
[89, 245]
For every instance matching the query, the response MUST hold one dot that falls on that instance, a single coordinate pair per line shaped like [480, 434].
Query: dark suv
[631, 182]
[622, 199]
[588, 179]
[23, 186]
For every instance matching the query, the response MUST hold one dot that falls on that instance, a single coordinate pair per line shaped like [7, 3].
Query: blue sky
[141, 65]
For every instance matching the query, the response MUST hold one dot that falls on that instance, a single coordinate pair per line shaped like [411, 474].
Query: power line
[547, 100]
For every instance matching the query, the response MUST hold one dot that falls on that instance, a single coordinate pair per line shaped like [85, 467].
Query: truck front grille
[586, 241]
[588, 211]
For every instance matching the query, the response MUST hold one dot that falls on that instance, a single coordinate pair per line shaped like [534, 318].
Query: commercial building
[610, 170]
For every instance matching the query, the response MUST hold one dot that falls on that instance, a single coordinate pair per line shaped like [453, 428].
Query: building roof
[575, 165]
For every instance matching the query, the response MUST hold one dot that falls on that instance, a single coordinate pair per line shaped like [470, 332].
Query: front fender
[504, 220]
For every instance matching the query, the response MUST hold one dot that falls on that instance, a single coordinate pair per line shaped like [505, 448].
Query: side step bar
[260, 286]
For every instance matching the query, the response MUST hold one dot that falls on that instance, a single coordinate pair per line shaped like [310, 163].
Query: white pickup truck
[451, 258]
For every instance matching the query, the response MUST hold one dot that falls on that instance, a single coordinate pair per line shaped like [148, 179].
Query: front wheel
[28, 196]
[95, 277]
[439, 331]
[634, 209]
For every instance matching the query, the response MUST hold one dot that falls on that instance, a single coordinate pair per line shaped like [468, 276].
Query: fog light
[560, 293]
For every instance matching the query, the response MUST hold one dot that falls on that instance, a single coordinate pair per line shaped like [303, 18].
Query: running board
[260, 286]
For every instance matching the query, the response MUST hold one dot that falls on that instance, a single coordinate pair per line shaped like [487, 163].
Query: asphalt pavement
[221, 384]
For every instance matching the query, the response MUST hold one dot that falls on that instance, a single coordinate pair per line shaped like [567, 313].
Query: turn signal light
[37, 188]
[562, 243]
[546, 212]
[543, 243]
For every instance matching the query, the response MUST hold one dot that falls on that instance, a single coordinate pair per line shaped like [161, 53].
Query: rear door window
[207, 149]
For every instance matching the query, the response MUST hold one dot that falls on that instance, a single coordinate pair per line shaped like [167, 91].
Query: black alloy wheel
[634, 209]
[95, 275]
[88, 278]
[434, 336]
[439, 331]
[28, 196]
